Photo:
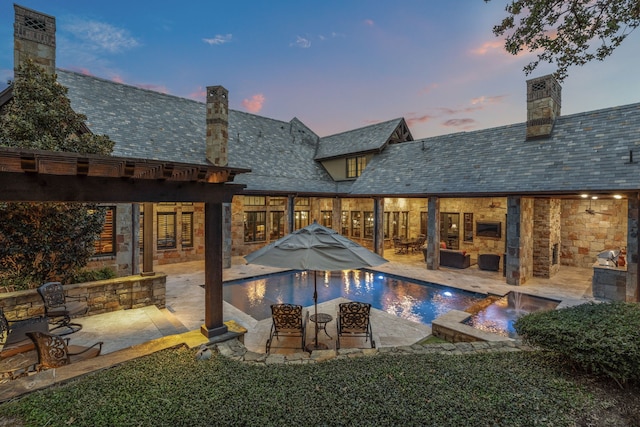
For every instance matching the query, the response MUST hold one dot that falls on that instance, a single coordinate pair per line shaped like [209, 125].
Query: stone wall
[585, 235]
[546, 236]
[103, 296]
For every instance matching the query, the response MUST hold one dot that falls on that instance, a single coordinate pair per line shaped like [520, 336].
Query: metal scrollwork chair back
[55, 351]
[60, 308]
[354, 320]
[289, 320]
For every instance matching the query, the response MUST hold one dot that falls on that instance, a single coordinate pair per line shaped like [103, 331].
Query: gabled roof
[368, 139]
[586, 152]
[152, 125]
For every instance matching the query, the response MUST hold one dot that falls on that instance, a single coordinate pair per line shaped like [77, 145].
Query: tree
[567, 32]
[42, 242]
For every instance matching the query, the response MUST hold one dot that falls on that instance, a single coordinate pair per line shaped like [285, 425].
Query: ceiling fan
[592, 212]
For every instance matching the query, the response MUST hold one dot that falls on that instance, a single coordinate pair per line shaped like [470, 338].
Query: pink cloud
[415, 120]
[487, 100]
[489, 47]
[199, 94]
[254, 105]
[425, 90]
[117, 79]
[369, 22]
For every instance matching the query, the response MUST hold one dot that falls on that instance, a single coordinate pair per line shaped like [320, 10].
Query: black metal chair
[289, 320]
[354, 320]
[60, 309]
[54, 351]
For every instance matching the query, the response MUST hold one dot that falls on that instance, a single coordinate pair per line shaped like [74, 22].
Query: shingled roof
[152, 125]
[586, 152]
[368, 139]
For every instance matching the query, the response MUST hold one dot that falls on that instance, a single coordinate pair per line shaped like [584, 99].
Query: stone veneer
[546, 235]
[103, 296]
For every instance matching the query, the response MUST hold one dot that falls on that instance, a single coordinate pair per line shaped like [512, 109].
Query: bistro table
[321, 319]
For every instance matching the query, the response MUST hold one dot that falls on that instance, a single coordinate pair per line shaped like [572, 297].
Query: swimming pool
[408, 299]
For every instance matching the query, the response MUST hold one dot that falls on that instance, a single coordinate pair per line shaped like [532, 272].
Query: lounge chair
[13, 334]
[353, 320]
[289, 320]
[60, 308]
[55, 351]
[398, 246]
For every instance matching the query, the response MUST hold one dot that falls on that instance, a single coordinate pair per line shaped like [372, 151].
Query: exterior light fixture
[617, 196]
[584, 196]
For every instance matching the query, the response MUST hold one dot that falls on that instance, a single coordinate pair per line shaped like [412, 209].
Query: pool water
[408, 299]
[499, 317]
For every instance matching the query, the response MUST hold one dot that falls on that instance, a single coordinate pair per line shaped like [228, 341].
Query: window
[255, 201]
[166, 230]
[254, 226]
[301, 219]
[302, 201]
[356, 224]
[187, 229]
[141, 235]
[400, 224]
[424, 219]
[385, 224]
[355, 166]
[345, 223]
[277, 225]
[326, 218]
[105, 244]
[368, 225]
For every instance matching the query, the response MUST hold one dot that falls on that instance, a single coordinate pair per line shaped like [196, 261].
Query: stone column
[336, 214]
[378, 225]
[633, 243]
[519, 261]
[213, 299]
[433, 233]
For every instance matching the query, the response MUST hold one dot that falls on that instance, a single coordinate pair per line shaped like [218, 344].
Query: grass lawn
[172, 388]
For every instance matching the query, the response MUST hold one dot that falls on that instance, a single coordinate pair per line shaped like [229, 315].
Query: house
[556, 190]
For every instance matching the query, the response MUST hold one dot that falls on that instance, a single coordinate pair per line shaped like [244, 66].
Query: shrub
[93, 275]
[601, 338]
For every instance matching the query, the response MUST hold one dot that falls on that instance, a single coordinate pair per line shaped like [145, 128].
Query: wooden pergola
[46, 176]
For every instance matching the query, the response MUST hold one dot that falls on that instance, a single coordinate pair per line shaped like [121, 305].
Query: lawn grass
[172, 388]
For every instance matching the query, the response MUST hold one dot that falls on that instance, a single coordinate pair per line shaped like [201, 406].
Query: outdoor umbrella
[315, 247]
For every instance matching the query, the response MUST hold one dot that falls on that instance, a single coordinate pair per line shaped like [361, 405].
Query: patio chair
[289, 320]
[55, 351]
[60, 308]
[13, 334]
[418, 243]
[353, 320]
[398, 246]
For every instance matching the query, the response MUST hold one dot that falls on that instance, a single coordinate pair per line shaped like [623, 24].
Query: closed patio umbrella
[316, 248]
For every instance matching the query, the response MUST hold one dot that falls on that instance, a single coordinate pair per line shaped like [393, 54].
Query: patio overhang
[46, 176]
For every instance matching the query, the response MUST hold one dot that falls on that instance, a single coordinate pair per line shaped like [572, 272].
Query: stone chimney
[217, 125]
[543, 106]
[34, 37]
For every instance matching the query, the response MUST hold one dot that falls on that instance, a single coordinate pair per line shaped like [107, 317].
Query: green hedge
[602, 338]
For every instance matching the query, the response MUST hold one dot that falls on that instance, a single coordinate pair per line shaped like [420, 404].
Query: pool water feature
[408, 299]
[499, 315]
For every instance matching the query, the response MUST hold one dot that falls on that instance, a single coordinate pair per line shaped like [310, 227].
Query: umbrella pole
[316, 345]
[315, 303]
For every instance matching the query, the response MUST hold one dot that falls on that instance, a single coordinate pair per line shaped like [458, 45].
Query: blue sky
[335, 64]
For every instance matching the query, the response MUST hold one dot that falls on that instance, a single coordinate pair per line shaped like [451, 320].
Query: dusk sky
[336, 65]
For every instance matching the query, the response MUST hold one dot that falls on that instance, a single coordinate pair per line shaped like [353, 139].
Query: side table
[321, 319]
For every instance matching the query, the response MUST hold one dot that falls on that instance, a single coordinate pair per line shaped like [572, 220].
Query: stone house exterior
[376, 182]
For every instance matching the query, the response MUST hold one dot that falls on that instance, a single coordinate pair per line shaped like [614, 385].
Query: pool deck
[128, 334]
[185, 308]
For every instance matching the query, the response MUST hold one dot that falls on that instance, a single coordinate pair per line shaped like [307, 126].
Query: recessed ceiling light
[617, 196]
[594, 197]
[584, 196]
